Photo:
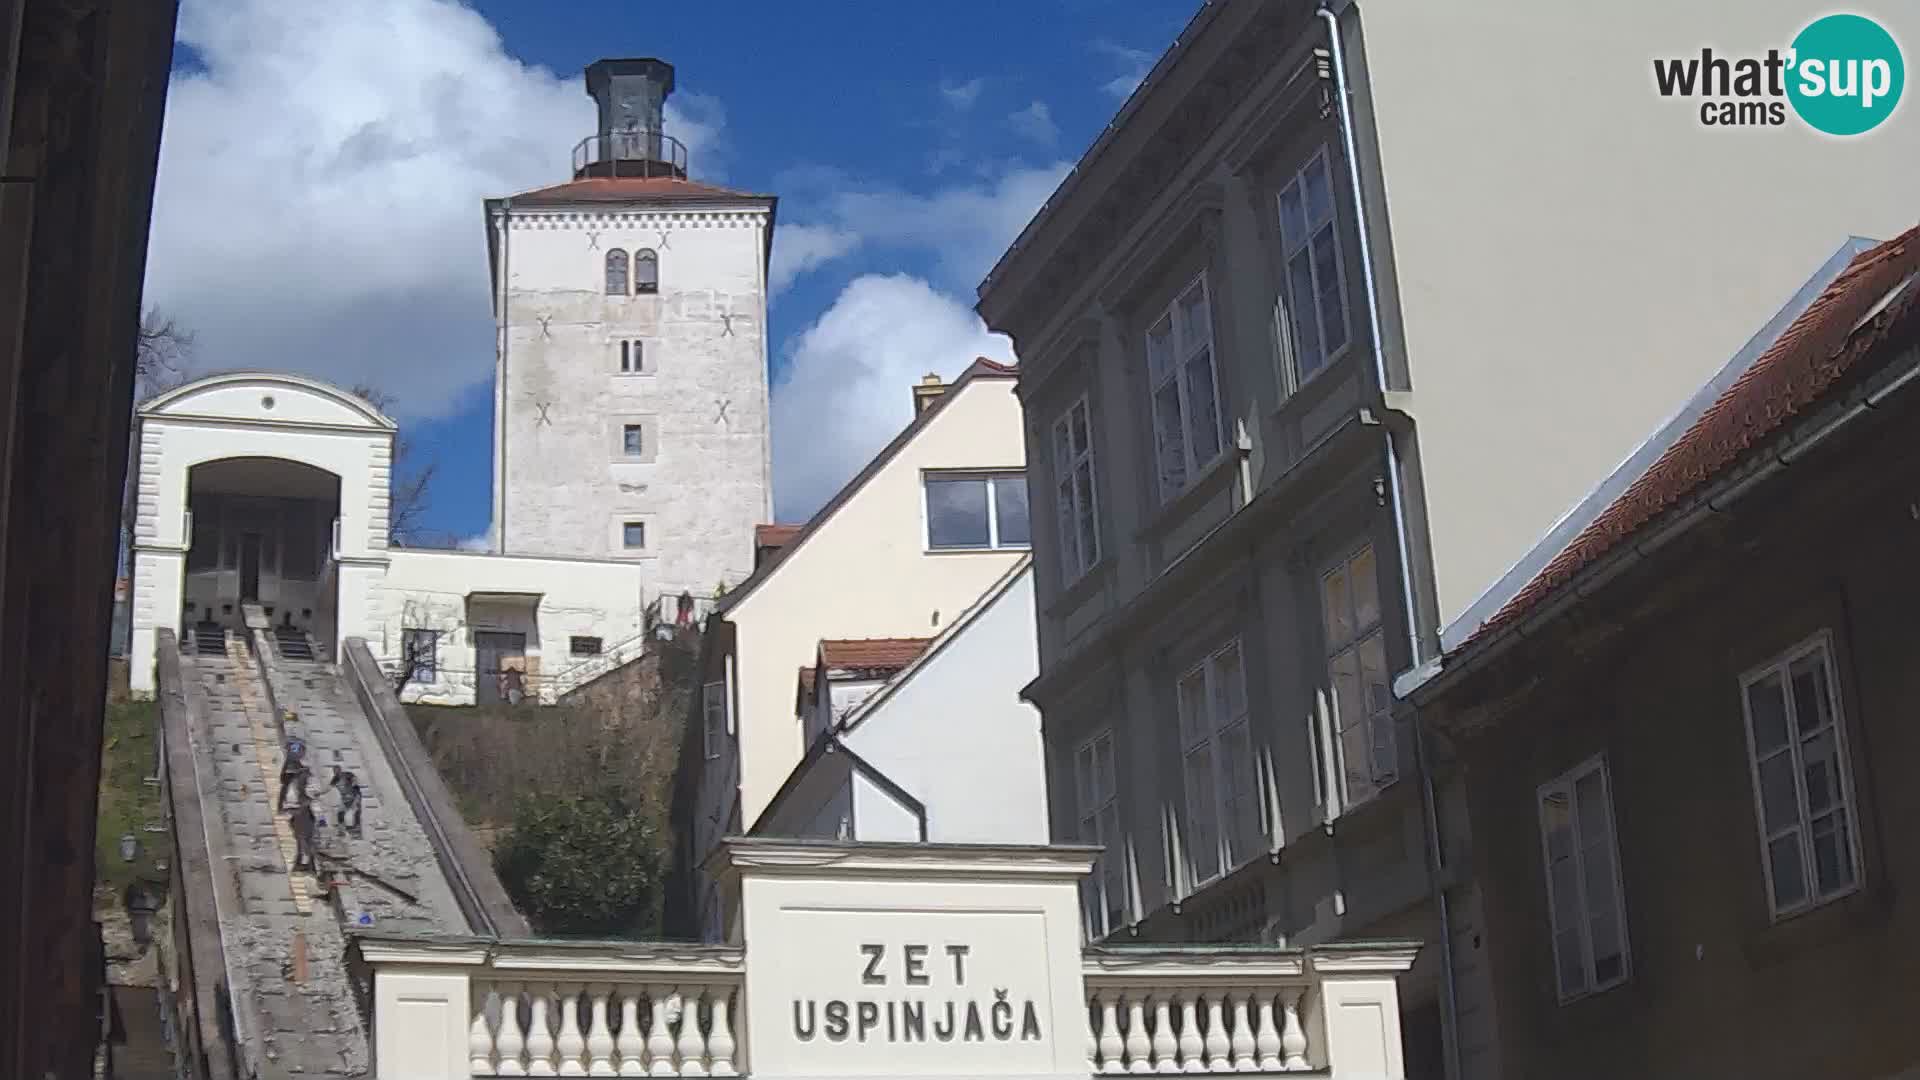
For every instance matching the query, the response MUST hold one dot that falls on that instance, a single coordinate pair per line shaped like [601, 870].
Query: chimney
[929, 389]
[631, 96]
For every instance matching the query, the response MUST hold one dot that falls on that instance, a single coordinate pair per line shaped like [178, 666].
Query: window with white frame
[1074, 476]
[977, 510]
[1313, 285]
[1186, 396]
[1584, 897]
[713, 703]
[1096, 795]
[1364, 753]
[1223, 808]
[1802, 782]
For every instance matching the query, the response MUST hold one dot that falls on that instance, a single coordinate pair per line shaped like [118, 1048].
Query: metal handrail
[636, 153]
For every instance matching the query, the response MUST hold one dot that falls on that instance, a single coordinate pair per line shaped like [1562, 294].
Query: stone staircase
[287, 943]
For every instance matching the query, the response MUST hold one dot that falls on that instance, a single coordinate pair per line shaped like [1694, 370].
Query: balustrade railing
[572, 1028]
[464, 1008]
[1198, 1009]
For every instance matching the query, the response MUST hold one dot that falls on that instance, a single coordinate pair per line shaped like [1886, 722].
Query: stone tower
[630, 409]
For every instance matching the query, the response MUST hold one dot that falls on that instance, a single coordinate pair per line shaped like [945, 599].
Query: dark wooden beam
[89, 80]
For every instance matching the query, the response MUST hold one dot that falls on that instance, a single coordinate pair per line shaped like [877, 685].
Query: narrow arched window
[646, 271]
[616, 272]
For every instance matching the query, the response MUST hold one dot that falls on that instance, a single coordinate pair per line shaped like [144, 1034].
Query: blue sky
[319, 198]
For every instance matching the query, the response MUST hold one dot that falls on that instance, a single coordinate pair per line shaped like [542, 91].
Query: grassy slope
[127, 803]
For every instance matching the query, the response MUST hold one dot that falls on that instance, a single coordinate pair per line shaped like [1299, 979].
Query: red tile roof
[1809, 357]
[871, 654]
[630, 189]
[996, 366]
[775, 536]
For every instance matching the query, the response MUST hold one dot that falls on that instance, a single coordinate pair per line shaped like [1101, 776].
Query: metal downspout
[1429, 806]
[499, 538]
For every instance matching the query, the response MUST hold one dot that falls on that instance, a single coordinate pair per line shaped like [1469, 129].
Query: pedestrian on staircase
[293, 773]
[349, 788]
[301, 817]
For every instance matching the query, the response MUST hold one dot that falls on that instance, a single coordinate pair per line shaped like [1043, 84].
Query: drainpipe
[499, 538]
[1422, 765]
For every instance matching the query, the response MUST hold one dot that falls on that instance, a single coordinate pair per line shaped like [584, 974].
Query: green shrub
[582, 865]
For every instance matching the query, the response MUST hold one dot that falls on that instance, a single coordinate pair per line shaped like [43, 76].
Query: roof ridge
[1820, 339]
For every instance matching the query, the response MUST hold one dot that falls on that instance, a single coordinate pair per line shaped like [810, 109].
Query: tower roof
[618, 189]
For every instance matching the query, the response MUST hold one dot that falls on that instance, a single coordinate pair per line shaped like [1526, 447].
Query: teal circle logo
[1846, 74]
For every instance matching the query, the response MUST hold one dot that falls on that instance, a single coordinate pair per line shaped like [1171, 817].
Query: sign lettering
[964, 1014]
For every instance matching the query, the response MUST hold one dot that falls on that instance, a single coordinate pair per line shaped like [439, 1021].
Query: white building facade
[944, 751]
[902, 552]
[630, 451]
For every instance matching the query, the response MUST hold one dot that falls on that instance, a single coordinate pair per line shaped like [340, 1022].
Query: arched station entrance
[262, 531]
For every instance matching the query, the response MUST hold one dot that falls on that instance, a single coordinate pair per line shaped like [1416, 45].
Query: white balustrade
[1164, 1029]
[665, 1010]
[646, 1029]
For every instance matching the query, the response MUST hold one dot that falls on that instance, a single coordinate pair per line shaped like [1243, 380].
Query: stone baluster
[571, 1045]
[720, 1045]
[1216, 1036]
[540, 1033]
[632, 1045]
[1190, 1034]
[659, 1043]
[1165, 1050]
[480, 1042]
[1138, 1048]
[1110, 1045]
[1267, 1041]
[693, 1042]
[1293, 1038]
[511, 1042]
[1242, 1048]
[1093, 1037]
[599, 1035]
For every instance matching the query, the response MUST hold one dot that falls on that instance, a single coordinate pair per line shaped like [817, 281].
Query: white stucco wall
[703, 481]
[864, 572]
[879, 816]
[428, 590]
[252, 414]
[956, 736]
[1576, 254]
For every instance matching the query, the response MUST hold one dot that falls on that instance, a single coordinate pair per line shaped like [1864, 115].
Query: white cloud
[321, 177]
[799, 248]
[1035, 122]
[962, 95]
[846, 389]
[1134, 64]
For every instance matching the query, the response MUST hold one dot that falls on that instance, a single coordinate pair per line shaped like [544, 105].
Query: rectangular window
[1802, 779]
[420, 653]
[1584, 896]
[583, 646]
[1096, 797]
[1313, 287]
[1185, 395]
[630, 441]
[1223, 808]
[633, 535]
[977, 510]
[1073, 473]
[1364, 751]
[633, 356]
[713, 704]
